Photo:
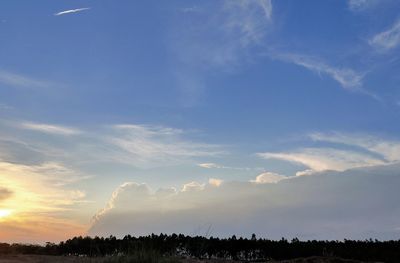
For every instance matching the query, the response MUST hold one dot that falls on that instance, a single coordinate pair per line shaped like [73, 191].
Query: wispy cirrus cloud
[246, 22]
[348, 78]
[210, 165]
[267, 7]
[71, 11]
[241, 26]
[133, 144]
[388, 150]
[387, 40]
[191, 9]
[4, 106]
[49, 174]
[50, 128]
[322, 159]
[218, 166]
[57, 174]
[219, 39]
[340, 152]
[361, 5]
[230, 30]
[18, 80]
[157, 144]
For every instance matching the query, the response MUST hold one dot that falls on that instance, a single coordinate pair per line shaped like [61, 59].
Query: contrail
[71, 11]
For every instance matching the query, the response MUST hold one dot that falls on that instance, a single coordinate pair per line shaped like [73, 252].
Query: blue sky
[98, 97]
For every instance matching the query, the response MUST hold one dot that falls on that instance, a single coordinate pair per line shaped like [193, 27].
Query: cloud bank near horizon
[326, 205]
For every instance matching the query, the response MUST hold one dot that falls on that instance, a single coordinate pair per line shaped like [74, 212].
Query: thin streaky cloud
[18, 80]
[156, 144]
[362, 5]
[322, 159]
[389, 150]
[4, 106]
[210, 165]
[48, 128]
[192, 9]
[71, 11]
[346, 151]
[56, 174]
[387, 40]
[235, 27]
[267, 7]
[357, 4]
[348, 78]
[217, 166]
[249, 20]
[133, 144]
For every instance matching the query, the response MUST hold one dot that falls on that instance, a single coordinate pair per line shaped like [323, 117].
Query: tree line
[253, 249]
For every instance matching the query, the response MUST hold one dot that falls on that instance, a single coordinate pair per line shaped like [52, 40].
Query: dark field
[72, 259]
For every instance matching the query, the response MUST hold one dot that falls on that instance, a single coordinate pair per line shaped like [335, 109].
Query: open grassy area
[71, 259]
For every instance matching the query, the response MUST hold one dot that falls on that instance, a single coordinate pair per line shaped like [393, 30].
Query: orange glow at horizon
[38, 210]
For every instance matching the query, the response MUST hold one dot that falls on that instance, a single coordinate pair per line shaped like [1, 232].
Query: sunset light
[239, 129]
[4, 213]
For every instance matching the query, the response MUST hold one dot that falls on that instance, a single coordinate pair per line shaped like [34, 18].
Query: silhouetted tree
[202, 247]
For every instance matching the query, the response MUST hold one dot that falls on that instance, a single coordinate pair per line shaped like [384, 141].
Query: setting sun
[4, 213]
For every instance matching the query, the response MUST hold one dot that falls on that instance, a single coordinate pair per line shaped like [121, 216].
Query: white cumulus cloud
[327, 205]
[268, 177]
[192, 186]
[215, 182]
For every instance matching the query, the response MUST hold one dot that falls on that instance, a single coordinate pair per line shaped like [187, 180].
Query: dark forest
[233, 248]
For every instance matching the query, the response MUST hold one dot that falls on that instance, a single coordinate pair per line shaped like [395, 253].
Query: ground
[61, 259]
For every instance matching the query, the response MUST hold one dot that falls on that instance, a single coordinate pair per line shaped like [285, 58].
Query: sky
[140, 117]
